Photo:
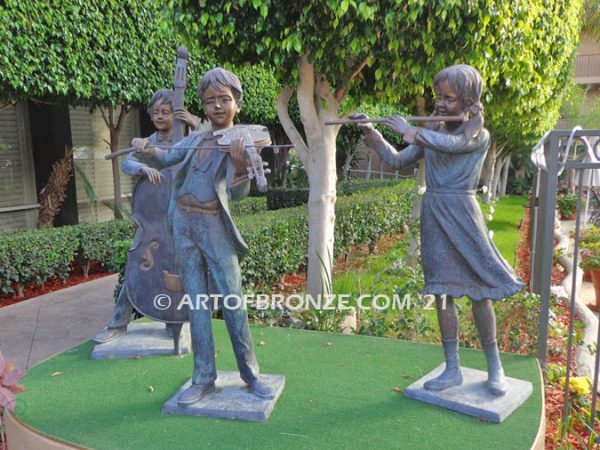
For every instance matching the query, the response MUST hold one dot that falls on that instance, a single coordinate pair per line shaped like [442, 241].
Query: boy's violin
[253, 136]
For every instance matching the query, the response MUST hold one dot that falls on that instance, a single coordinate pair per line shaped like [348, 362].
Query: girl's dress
[459, 258]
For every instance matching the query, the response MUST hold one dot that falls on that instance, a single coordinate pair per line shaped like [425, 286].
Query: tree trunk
[414, 245]
[505, 176]
[114, 146]
[488, 172]
[321, 216]
[369, 163]
[494, 189]
[317, 154]
[346, 166]
[114, 129]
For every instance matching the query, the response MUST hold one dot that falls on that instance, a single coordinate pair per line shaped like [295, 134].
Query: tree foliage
[591, 17]
[391, 51]
[93, 52]
[108, 53]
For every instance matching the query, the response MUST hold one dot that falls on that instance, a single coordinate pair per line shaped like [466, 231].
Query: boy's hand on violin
[397, 124]
[141, 146]
[366, 128]
[153, 175]
[237, 152]
[185, 116]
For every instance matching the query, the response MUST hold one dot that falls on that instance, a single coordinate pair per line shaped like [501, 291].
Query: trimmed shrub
[353, 186]
[277, 239]
[248, 205]
[34, 256]
[278, 198]
[97, 243]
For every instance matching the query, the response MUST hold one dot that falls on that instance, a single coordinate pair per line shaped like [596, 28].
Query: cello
[151, 273]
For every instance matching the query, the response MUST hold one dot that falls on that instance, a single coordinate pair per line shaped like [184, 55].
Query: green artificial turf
[336, 396]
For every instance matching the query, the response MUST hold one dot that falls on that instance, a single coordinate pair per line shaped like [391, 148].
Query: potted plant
[587, 240]
[567, 205]
[590, 260]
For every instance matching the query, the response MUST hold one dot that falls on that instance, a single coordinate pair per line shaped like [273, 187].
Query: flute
[408, 119]
[225, 149]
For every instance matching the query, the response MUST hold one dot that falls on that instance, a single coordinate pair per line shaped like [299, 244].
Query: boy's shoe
[195, 393]
[261, 389]
[108, 334]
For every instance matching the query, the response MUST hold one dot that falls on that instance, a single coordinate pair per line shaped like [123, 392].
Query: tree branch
[8, 104]
[359, 69]
[283, 100]
[341, 91]
[121, 120]
[306, 98]
[105, 118]
[323, 91]
[111, 118]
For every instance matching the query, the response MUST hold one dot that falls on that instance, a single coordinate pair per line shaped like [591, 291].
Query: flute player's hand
[397, 124]
[366, 128]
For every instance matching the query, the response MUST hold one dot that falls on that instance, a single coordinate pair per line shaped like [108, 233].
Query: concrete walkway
[35, 329]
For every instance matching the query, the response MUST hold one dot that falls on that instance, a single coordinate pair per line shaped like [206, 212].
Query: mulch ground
[554, 393]
[53, 284]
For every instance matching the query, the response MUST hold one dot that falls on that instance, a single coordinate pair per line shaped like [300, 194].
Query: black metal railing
[553, 155]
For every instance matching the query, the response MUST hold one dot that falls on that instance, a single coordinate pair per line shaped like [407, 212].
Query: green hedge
[354, 186]
[248, 205]
[278, 198]
[34, 256]
[277, 239]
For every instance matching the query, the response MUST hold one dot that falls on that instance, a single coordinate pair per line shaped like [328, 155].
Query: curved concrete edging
[540, 438]
[20, 436]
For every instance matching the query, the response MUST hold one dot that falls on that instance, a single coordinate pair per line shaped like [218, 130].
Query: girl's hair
[218, 78]
[467, 83]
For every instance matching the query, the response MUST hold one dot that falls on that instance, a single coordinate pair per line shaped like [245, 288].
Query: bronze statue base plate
[472, 397]
[231, 400]
[143, 339]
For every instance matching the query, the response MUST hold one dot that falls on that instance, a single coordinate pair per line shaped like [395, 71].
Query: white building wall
[17, 176]
[90, 136]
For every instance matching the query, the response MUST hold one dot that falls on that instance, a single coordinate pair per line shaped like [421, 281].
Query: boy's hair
[218, 78]
[163, 95]
[468, 85]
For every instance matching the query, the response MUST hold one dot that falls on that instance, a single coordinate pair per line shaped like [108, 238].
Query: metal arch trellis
[551, 156]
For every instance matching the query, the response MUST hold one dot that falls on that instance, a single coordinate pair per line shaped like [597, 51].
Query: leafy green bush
[566, 204]
[248, 205]
[278, 198]
[97, 242]
[34, 256]
[277, 239]
[353, 186]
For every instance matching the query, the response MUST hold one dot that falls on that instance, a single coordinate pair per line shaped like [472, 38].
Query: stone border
[21, 436]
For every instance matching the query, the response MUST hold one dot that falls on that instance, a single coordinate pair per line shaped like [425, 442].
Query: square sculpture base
[231, 400]
[472, 397]
[143, 339]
